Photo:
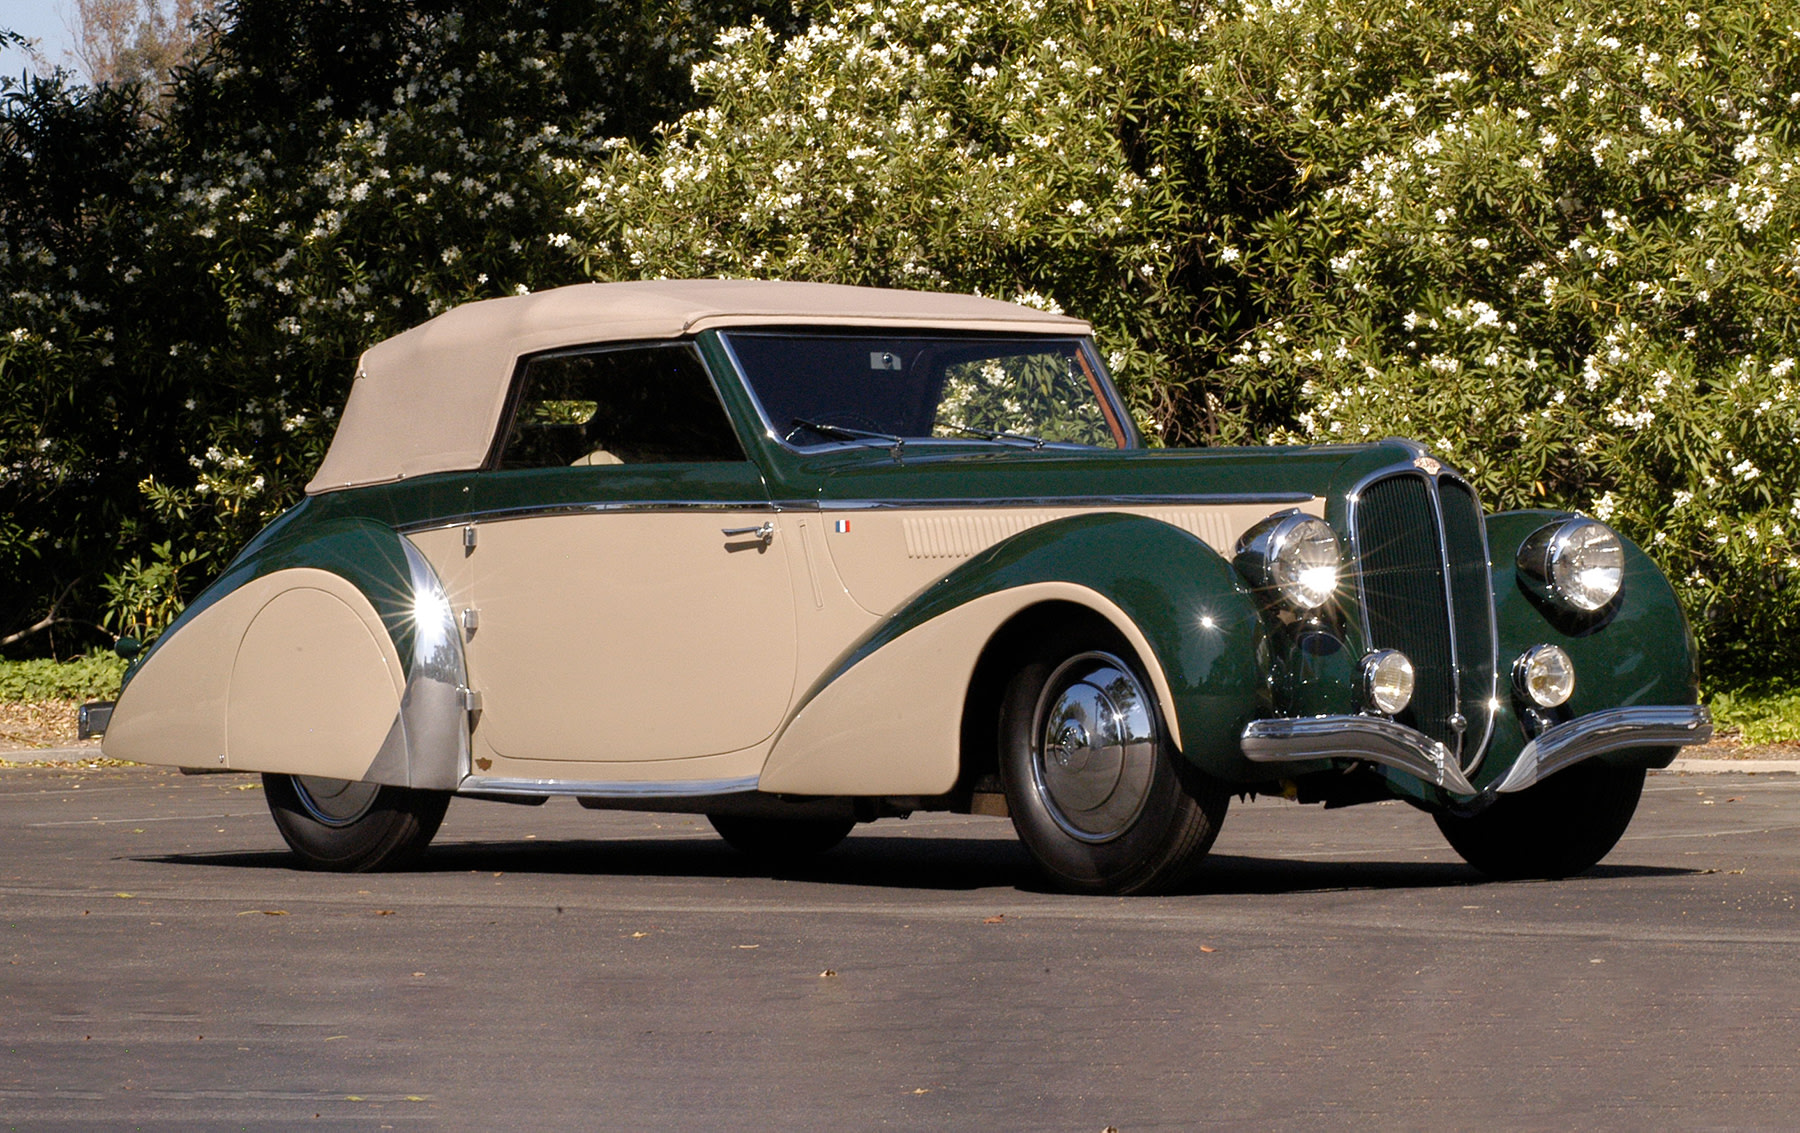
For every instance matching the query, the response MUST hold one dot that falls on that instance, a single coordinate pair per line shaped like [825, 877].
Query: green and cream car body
[797, 556]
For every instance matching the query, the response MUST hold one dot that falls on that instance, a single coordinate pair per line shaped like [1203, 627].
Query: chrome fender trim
[428, 746]
[1670, 725]
[1374, 738]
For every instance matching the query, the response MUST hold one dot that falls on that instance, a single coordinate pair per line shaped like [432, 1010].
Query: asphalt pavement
[163, 965]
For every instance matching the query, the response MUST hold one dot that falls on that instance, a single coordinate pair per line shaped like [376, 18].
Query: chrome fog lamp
[1544, 675]
[1387, 678]
[1295, 555]
[1577, 563]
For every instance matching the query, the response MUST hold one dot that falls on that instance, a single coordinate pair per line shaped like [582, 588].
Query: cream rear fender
[337, 655]
[887, 718]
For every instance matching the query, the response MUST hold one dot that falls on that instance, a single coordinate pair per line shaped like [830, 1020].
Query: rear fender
[334, 653]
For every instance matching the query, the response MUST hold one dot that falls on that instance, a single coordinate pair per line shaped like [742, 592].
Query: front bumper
[1379, 740]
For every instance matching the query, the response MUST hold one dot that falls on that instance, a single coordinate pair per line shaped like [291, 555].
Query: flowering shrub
[1555, 242]
[186, 288]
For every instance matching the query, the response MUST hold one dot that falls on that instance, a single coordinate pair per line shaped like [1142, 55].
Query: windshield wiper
[994, 434]
[845, 433]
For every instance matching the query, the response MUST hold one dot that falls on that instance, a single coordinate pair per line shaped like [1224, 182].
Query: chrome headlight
[1387, 681]
[1577, 563]
[1293, 554]
[1544, 675]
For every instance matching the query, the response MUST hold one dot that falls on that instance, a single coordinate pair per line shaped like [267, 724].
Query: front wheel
[1091, 777]
[349, 826]
[1556, 828]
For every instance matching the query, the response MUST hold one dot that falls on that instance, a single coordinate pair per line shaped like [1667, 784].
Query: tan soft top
[429, 400]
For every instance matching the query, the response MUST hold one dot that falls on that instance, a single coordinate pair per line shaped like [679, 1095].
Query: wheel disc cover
[1093, 749]
[335, 802]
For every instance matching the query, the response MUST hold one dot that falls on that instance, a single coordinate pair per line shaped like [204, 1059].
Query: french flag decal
[842, 527]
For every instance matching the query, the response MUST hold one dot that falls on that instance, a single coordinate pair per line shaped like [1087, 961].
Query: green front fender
[1637, 651]
[1188, 602]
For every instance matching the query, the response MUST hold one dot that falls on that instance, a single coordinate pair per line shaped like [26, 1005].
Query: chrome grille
[1423, 580]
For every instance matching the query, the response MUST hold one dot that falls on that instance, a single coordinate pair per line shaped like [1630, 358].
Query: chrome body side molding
[1273, 499]
[776, 507]
[1379, 740]
[598, 507]
[1674, 725]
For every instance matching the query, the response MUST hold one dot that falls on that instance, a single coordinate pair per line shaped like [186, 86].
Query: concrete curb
[1743, 766]
[51, 755]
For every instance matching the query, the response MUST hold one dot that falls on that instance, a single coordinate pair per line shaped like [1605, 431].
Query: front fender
[1637, 651]
[1179, 602]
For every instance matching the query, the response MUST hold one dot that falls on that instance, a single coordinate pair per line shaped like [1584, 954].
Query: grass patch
[1760, 715]
[93, 676]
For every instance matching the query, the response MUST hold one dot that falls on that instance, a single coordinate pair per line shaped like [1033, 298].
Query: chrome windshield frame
[1083, 344]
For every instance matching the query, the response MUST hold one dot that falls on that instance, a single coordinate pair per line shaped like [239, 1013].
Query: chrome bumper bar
[1673, 725]
[1379, 740]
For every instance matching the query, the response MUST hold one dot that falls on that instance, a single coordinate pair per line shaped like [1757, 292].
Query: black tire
[1557, 828]
[1109, 817]
[781, 841]
[351, 827]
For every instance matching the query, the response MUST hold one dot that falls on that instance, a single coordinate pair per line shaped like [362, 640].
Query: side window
[618, 405]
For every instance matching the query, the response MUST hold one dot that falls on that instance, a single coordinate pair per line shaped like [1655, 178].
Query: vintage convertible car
[799, 556]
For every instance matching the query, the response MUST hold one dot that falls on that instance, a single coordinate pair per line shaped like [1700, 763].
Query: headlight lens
[1578, 563]
[1388, 681]
[1295, 555]
[1545, 676]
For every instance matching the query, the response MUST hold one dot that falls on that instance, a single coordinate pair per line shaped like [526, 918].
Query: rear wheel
[783, 841]
[349, 826]
[1557, 828]
[1092, 780]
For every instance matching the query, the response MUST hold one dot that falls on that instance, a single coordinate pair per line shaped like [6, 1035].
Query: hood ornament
[1427, 465]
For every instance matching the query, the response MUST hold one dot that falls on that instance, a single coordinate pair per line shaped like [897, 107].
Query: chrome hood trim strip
[1673, 725]
[680, 789]
[1373, 738]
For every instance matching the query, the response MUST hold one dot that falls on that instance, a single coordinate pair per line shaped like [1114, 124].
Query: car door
[633, 602]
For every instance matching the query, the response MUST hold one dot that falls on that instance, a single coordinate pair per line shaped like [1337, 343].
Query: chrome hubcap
[1093, 747]
[335, 802]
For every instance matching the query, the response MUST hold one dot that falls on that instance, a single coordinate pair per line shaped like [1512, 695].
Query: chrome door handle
[765, 531]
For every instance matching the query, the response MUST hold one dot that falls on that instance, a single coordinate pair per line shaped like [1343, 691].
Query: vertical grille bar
[1472, 606]
[1402, 582]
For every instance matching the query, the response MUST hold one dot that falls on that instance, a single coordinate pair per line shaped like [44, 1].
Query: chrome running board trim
[1671, 725]
[679, 789]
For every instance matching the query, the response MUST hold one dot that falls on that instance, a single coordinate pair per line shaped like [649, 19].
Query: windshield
[820, 389]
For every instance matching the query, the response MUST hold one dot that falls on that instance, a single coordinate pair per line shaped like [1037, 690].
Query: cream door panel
[886, 555]
[629, 636]
[892, 725]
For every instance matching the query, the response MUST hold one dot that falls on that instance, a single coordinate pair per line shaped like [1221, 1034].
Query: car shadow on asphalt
[942, 864]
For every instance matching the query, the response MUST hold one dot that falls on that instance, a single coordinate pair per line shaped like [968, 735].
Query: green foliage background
[1557, 242]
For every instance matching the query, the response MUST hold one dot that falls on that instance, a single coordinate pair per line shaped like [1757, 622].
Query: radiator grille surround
[1423, 583]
